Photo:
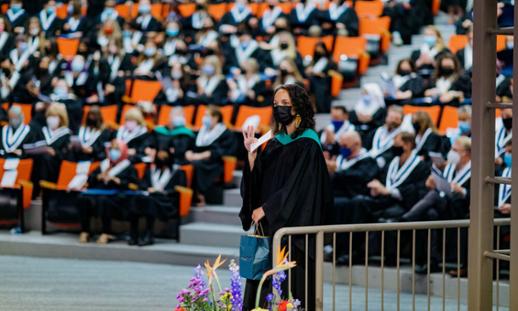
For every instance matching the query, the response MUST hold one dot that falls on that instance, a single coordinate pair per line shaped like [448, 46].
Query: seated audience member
[49, 20]
[504, 133]
[384, 136]
[212, 143]
[283, 47]
[318, 72]
[89, 144]
[341, 19]
[303, 16]
[427, 139]
[149, 61]
[134, 134]
[174, 137]
[6, 38]
[288, 74]
[173, 85]
[339, 124]
[272, 13]
[463, 126]
[503, 191]
[445, 84]
[246, 86]
[159, 182]
[406, 19]
[402, 184]
[53, 144]
[369, 112]
[15, 135]
[145, 22]
[238, 15]
[437, 204]
[115, 173]
[16, 15]
[211, 85]
[405, 84]
[64, 93]
[430, 51]
[465, 55]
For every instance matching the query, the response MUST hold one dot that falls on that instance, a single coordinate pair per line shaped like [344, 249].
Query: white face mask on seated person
[53, 122]
[131, 125]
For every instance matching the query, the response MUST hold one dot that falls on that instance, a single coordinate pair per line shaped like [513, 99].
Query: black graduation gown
[152, 25]
[7, 45]
[302, 26]
[348, 18]
[163, 205]
[7, 151]
[47, 166]
[415, 85]
[53, 28]
[139, 143]
[207, 172]
[292, 185]
[353, 180]
[435, 143]
[169, 141]
[321, 87]
[228, 19]
[17, 21]
[98, 147]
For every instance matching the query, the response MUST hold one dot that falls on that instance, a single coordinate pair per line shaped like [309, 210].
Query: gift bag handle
[258, 228]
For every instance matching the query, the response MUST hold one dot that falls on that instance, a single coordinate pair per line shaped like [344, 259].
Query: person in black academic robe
[246, 86]
[6, 38]
[383, 139]
[115, 173]
[304, 15]
[174, 137]
[427, 139]
[16, 14]
[135, 135]
[211, 85]
[213, 142]
[52, 144]
[340, 19]
[318, 73]
[64, 94]
[50, 23]
[239, 14]
[287, 185]
[161, 202]
[89, 144]
[405, 84]
[196, 22]
[15, 135]
[270, 15]
[76, 24]
[145, 22]
[241, 48]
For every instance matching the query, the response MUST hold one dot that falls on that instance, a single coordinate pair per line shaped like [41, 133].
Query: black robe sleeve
[353, 181]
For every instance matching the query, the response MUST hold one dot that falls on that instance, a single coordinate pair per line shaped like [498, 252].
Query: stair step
[216, 235]
[232, 197]
[65, 245]
[238, 175]
[228, 215]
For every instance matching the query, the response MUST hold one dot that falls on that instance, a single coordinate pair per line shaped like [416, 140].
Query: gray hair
[17, 110]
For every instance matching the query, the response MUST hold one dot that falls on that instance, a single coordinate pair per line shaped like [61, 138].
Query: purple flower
[269, 298]
[235, 287]
[277, 280]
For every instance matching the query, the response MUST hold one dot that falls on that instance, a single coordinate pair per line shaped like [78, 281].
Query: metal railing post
[482, 151]
[319, 272]
[513, 277]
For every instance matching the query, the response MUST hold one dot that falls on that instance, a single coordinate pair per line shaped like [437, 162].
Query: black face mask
[284, 46]
[416, 127]
[397, 150]
[508, 123]
[161, 162]
[284, 72]
[447, 71]
[91, 122]
[282, 115]
[404, 72]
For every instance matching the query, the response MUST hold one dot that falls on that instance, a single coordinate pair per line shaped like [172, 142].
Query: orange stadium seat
[436, 6]
[449, 118]
[353, 47]
[185, 200]
[433, 111]
[62, 11]
[229, 166]
[457, 42]
[189, 171]
[369, 8]
[67, 172]
[124, 10]
[306, 45]
[67, 47]
[226, 111]
[144, 90]
[501, 43]
[141, 169]
[156, 11]
[286, 7]
[23, 186]
[264, 113]
[217, 10]
[4, 7]
[187, 9]
[377, 26]
[337, 81]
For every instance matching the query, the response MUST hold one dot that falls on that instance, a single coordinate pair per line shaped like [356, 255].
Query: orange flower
[179, 309]
[283, 306]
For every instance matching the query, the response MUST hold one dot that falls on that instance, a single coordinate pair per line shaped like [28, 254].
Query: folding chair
[15, 175]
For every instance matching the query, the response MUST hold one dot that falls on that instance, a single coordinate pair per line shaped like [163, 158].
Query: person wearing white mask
[109, 12]
[174, 137]
[213, 142]
[149, 61]
[211, 85]
[369, 111]
[15, 135]
[134, 134]
[64, 94]
[145, 22]
[173, 86]
[54, 141]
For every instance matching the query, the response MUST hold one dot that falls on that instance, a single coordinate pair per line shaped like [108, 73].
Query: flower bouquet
[206, 294]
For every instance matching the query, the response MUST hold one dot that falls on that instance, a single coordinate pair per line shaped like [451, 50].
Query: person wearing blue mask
[350, 172]
[115, 173]
[339, 124]
[432, 48]
[149, 61]
[211, 85]
[50, 23]
[174, 137]
[463, 125]
[145, 21]
[213, 142]
[16, 14]
[109, 13]
[238, 15]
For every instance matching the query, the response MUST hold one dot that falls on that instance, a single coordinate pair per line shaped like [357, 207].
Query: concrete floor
[45, 284]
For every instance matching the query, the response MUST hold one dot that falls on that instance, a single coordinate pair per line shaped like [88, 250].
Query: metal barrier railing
[398, 234]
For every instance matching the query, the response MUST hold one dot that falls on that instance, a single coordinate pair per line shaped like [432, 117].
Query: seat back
[144, 90]
[352, 47]
[186, 9]
[433, 111]
[229, 166]
[264, 113]
[369, 8]
[109, 114]
[67, 47]
[68, 170]
[217, 10]
[306, 45]
[379, 26]
[457, 42]
[226, 111]
[141, 169]
[189, 171]
[449, 118]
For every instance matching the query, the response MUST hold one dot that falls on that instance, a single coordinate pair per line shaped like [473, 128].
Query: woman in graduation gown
[159, 181]
[91, 138]
[15, 135]
[287, 184]
[55, 138]
[427, 139]
[212, 143]
[135, 135]
[115, 173]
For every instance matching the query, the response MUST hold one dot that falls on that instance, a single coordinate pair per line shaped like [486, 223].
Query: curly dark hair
[302, 105]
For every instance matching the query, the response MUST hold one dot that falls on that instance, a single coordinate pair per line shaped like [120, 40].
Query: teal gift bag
[255, 255]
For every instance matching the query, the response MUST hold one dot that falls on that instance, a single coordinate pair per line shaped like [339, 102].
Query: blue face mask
[172, 32]
[337, 124]
[206, 121]
[508, 160]
[115, 155]
[430, 40]
[345, 152]
[144, 9]
[16, 8]
[208, 70]
[50, 10]
[464, 128]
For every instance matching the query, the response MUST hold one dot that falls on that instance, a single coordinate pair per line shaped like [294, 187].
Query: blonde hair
[424, 120]
[58, 109]
[440, 41]
[214, 61]
[134, 114]
[465, 142]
